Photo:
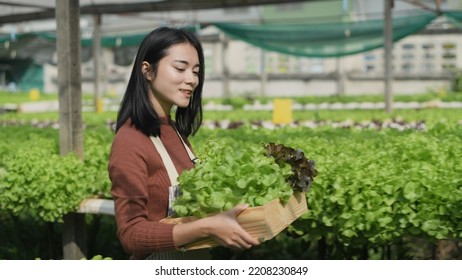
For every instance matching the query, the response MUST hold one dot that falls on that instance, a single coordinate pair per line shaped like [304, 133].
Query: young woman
[149, 146]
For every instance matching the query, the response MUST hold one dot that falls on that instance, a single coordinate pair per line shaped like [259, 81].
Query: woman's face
[176, 78]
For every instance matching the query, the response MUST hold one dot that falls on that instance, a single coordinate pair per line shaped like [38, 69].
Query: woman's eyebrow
[184, 62]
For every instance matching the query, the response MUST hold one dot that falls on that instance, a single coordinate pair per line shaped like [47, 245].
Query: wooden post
[388, 45]
[74, 236]
[97, 63]
[70, 111]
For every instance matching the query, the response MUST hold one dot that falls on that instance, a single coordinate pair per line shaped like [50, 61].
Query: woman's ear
[146, 70]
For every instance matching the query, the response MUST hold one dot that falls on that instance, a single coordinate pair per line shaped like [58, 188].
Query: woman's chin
[182, 104]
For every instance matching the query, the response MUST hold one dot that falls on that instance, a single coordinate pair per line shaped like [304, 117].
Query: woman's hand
[223, 228]
[228, 232]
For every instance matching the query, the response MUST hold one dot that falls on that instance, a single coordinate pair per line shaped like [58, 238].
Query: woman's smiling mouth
[187, 92]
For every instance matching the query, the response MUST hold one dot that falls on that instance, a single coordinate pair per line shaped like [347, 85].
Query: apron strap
[168, 163]
[173, 189]
[172, 173]
[188, 150]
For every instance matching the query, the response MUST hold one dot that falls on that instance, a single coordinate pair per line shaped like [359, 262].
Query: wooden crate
[261, 222]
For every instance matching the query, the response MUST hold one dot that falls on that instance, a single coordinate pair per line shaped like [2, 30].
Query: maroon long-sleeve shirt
[140, 187]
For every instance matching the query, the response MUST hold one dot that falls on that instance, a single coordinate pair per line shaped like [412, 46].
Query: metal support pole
[263, 73]
[224, 62]
[388, 46]
[340, 77]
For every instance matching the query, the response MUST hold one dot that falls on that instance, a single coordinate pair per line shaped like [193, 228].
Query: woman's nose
[191, 78]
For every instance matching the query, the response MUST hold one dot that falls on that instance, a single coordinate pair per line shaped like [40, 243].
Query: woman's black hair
[136, 104]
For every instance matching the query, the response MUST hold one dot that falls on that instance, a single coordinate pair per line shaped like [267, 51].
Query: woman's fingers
[238, 209]
[246, 237]
[229, 233]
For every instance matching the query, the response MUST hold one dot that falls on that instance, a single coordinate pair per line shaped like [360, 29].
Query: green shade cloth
[326, 39]
[332, 39]
[455, 17]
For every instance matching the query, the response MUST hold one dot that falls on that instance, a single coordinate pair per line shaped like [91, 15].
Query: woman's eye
[196, 73]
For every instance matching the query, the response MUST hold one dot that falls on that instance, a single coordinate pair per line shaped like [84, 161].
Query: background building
[424, 61]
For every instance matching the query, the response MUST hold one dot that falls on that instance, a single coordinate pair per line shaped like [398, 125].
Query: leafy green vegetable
[35, 179]
[254, 174]
[229, 174]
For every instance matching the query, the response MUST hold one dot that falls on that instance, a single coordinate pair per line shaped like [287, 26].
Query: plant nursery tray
[261, 222]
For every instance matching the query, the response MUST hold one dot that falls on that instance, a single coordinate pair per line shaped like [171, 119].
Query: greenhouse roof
[27, 10]
[127, 22]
